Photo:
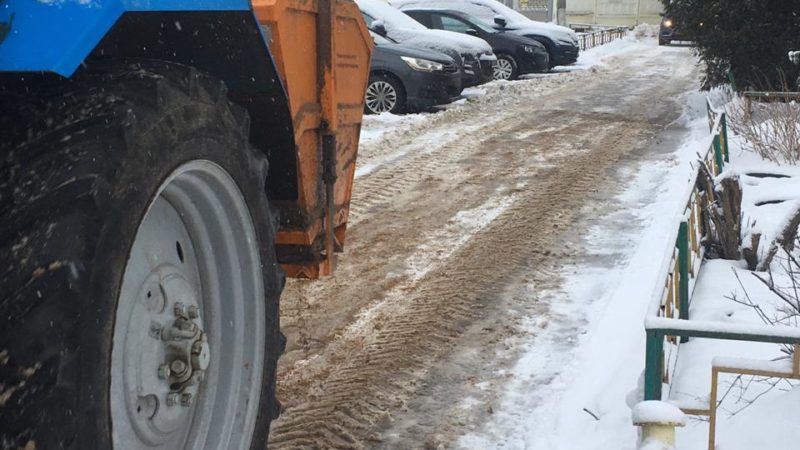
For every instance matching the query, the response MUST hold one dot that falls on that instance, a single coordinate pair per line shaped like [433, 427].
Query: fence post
[718, 154]
[724, 135]
[710, 114]
[683, 269]
[654, 358]
[732, 80]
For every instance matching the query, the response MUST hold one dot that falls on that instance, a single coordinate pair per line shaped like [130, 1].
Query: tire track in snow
[345, 385]
[367, 373]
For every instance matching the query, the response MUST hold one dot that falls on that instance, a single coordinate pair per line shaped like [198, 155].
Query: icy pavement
[454, 315]
[575, 390]
[375, 127]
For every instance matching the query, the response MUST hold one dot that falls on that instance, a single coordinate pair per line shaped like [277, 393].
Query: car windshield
[380, 40]
[482, 25]
[510, 15]
[392, 16]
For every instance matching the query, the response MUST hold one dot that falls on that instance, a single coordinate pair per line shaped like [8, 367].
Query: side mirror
[794, 57]
[472, 32]
[378, 27]
[500, 20]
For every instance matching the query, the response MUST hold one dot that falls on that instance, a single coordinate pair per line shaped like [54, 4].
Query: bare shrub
[772, 130]
[770, 127]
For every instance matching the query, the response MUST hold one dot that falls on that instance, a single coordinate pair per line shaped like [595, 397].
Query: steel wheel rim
[196, 245]
[381, 97]
[503, 69]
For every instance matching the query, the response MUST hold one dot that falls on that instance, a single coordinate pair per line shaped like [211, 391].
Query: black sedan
[516, 55]
[407, 79]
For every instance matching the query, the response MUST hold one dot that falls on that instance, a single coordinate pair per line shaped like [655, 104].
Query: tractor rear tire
[82, 166]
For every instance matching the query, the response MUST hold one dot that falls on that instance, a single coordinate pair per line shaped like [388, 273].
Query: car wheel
[663, 42]
[506, 68]
[384, 94]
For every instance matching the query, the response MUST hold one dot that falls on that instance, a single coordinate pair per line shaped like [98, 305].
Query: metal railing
[682, 264]
[600, 37]
[767, 97]
[668, 324]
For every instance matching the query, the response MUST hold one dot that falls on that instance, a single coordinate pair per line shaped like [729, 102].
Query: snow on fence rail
[600, 37]
[681, 265]
[764, 96]
[668, 322]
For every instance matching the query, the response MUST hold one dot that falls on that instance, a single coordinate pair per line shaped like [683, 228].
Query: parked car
[476, 54]
[668, 31]
[516, 54]
[407, 79]
[561, 42]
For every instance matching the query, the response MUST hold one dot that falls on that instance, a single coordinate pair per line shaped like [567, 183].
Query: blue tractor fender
[220, 37]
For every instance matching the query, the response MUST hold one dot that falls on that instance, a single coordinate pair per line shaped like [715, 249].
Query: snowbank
[644, 30]
[595, 56]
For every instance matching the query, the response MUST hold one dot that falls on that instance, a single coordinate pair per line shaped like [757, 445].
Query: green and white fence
[669, 310]
[668, 324]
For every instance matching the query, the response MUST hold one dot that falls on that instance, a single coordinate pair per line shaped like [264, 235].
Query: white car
[475, 54]
[561, 42]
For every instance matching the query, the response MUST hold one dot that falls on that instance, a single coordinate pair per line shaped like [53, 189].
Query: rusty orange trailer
[322, 51]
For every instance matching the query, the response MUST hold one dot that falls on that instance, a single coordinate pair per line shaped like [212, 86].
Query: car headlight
[668, 23]
[423, 65]
[528, 49]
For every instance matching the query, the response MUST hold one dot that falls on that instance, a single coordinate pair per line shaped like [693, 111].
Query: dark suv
[669, 32]
[516, 54]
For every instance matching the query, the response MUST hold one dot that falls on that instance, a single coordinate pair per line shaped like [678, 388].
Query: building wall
[614, 12]
[535, 9]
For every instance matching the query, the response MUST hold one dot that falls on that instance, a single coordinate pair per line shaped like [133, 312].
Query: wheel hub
[381, 97]
[166, 362]
[188, 356]
[503, 69]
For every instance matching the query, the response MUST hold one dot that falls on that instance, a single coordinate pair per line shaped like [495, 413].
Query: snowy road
[462, 223]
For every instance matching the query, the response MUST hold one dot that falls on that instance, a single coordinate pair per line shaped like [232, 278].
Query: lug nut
[180, 309]
[178, 367]
[155, 330]
[186, 399]
[164, 371]
[193, 312]
[173, 398]
[187, 325]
